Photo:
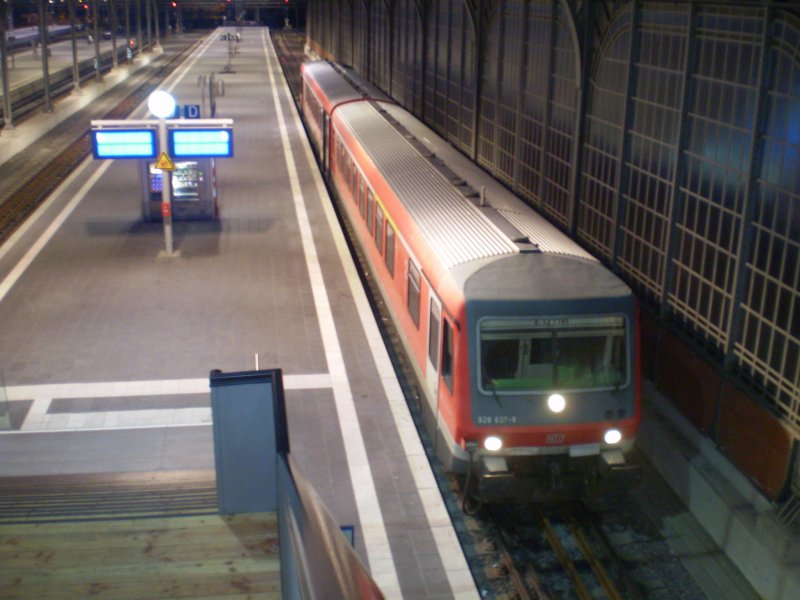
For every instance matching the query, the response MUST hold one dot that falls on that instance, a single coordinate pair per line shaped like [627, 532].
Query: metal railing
[317, 560]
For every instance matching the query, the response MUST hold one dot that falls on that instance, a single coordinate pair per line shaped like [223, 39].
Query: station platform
[25, 62]
[106, 345]
[25, 69]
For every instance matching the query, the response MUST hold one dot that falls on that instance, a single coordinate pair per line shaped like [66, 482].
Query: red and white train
[526, 347]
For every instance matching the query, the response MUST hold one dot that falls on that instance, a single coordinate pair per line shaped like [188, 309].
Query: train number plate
[555, 438]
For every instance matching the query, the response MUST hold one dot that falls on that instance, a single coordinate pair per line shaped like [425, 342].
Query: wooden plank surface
[176, 557]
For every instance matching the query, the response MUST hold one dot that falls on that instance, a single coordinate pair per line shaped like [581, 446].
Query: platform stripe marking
[376, 540]
[146, 387]
[38, 418]
[33, 252]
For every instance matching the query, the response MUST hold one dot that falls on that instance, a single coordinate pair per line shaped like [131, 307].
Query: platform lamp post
[96, 22]
[139, 40]
[156, 25]
[10, 29]
[112, 9]
[43, 14]
[76, 76]
[6, 89]
[162, 105]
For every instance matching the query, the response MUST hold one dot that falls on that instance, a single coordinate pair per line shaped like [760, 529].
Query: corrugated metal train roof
[333, 85]
[539, 230]
[453, 227]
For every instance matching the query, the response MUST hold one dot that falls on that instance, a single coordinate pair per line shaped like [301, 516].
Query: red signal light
[85, 7]
[174, 5]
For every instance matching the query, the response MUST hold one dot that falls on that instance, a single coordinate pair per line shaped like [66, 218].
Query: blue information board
[197, 143]
[124, 143]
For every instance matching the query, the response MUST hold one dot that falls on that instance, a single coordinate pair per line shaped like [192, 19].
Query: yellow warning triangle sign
[165, 163]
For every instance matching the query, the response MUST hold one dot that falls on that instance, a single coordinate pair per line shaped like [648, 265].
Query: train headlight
[556, 403]
[612, 436]
[493, 443]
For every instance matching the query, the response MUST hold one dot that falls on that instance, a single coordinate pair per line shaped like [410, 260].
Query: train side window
[433, 334]
[379, 228]
[413, 293]
[447, 354]
[354, 182]
[370, 211]
[389, 256]
[362, 197]
[349, 175]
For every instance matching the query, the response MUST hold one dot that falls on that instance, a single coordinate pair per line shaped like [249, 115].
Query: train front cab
[554, 400]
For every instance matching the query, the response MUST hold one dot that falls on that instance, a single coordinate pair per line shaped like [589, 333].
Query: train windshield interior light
[539, 354]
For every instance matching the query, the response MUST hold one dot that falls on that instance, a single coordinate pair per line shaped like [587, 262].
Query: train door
[325, 134]
[434, 350]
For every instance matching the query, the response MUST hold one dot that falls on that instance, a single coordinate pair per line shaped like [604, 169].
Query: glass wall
[676, 161]
[450, 72]
[528, 104]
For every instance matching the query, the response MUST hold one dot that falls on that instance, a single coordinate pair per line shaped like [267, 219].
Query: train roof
[553, 278]
[438, 186]
[530, 224]
[454, 228]
[340, 85]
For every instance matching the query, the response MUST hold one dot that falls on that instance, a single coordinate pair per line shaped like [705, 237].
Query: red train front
[525, 346]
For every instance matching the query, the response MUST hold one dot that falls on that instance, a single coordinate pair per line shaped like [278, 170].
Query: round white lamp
[161, 104]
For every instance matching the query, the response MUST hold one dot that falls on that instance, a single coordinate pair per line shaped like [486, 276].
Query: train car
[525, 346]
[325, 88]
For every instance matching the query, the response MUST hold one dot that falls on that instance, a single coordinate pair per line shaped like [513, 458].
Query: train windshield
[540, 354]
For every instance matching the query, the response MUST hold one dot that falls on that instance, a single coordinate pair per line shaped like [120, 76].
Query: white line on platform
[37, 247]
[148, 387]
[379, 552]
[39, 419]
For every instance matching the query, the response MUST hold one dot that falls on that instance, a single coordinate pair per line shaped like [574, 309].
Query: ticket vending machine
[193, 187]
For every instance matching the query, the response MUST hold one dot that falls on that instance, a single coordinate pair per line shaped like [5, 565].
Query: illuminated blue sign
[124, 143]
[197, 143]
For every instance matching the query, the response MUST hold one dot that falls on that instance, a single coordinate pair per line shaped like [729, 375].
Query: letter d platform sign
[191, 111]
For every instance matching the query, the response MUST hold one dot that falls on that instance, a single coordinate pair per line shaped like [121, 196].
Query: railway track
[41, 178]
[557, 552]
[289, 46]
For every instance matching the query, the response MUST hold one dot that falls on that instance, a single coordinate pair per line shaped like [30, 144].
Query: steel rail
[563, 557]
[591, 557]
